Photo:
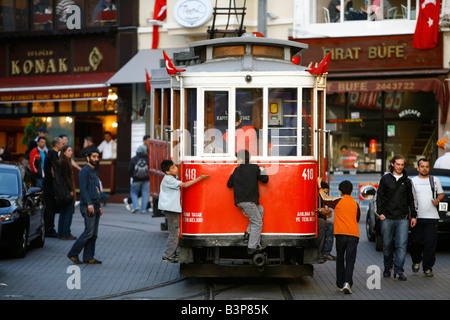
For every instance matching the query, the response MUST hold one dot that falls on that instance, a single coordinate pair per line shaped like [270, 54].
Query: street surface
[131, 245]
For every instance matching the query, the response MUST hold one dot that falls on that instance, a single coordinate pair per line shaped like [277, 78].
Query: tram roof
[235, 55]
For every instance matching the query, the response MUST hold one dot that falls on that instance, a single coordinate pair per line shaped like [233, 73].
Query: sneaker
[75, 260]
[127, 205]
[400, 277]
[428, 273]
[387, 273]
[346, 288]
[173, 259]
[339, 289]
[415, 267]
[329, 257]
[135, 211]
[93, 261]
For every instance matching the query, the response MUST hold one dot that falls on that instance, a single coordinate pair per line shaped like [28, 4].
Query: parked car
[373, 229]
[21, 209]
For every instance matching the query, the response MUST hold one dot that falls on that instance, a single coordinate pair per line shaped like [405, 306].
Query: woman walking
[67, 210]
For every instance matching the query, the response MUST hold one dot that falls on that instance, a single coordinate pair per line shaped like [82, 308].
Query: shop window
[307, 125]
[43, 107]
[81, 106]
[97, 105]
[21, 108]
[190, 122]
[282, 122]
[101, 13]
[371, 10]
[65, 106]
[42, 12]
[6, 108]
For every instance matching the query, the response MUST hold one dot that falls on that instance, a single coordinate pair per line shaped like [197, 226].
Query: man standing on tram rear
[246, 197]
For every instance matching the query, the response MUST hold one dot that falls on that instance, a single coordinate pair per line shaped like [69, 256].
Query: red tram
[281, 107]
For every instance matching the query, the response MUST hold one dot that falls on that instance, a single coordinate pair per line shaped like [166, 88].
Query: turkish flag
[159, 13]
[322, 67]
[169, 65]
[427, 27]
[147, 82]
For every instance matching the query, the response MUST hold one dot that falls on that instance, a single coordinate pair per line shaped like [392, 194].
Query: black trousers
[423, 242]
[345, 258]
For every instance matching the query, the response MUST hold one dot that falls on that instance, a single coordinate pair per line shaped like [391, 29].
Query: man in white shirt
[108, 147]
[443, 162]
[429, 192]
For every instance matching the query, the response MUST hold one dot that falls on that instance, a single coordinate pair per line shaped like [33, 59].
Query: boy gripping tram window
[346, 232]
[246, 197]
[169, 204]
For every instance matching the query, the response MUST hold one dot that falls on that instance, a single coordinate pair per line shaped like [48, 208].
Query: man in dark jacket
[244, 180]
[396, 207]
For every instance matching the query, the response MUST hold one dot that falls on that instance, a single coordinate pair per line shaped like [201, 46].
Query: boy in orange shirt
[346, 232]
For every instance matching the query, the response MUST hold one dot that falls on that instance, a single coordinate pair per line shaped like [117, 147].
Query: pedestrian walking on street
[50, 165]
[244, 180]
[66, 210]
[169, 203]
[138, 170]
[346, 232]
[396, 208]
[90, 210]
[424, 235]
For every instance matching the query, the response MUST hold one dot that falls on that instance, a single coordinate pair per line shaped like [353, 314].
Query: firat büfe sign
[371, 53]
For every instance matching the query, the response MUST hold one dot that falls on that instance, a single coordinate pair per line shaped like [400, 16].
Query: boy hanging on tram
[244, 180]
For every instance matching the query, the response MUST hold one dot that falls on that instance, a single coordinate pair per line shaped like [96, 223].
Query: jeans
[394, 252]
[346, 247]
[424, 242]
[65, 220]
[88, 238]
[143, 188]
[255, 214]
[328, 245]
[173, 225]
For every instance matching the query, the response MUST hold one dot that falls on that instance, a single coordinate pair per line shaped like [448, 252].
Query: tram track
[212, 289]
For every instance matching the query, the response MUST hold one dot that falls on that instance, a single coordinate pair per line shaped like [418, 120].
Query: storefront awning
[87, 86]
[134, 70]
[439, 87]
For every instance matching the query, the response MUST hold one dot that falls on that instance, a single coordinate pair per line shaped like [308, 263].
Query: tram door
[176, 130]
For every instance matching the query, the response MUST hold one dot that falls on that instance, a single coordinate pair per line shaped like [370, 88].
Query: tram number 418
[308, 174]
[191, 174]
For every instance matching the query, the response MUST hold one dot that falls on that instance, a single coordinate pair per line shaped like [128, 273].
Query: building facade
[56, 63]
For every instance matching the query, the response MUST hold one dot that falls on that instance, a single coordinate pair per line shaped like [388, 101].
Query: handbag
[62, 191]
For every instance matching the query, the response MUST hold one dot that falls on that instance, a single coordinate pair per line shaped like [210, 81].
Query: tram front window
[282, 137]
[216, 122]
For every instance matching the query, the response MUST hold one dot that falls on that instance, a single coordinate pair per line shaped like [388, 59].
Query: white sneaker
[346, 288]
[127, 205]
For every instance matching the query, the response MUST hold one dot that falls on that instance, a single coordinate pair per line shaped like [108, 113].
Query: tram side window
[190, 125]
[216, 122]
[249, 113]
[282, 135]
[307, 126]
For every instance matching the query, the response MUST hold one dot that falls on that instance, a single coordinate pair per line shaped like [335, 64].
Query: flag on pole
[427, 27]
[322, 67]
[169, 65]
[147, 82]
[159, 13]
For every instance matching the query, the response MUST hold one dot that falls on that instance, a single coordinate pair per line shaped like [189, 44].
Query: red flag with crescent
[169, 65]
[147, 82]
[322, 67]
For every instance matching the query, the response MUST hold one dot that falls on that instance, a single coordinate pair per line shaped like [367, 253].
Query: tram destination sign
[372, 53]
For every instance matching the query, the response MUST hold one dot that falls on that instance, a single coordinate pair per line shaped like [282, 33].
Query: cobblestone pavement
[130, 246]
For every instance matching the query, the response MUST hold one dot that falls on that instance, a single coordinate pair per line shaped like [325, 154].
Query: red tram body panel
[288, 201]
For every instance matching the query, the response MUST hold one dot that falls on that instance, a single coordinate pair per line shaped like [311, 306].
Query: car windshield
[445, 181]
[9, 183]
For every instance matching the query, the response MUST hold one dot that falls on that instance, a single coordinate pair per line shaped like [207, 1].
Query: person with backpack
[138, 170]
[424, 235]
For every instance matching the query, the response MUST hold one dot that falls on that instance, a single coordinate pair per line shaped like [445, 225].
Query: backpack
[141, 171]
